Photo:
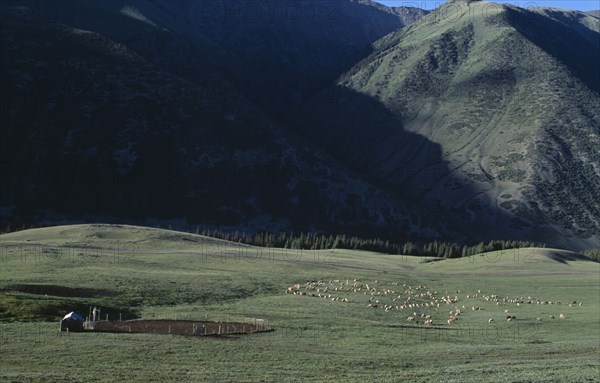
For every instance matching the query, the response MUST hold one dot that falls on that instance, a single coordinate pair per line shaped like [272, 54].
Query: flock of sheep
[417, 304]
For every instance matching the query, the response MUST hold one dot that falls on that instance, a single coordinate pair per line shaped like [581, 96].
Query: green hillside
[508, 98]
[152, 273]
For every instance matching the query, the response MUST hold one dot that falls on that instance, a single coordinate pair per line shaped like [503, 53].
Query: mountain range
[474, 121]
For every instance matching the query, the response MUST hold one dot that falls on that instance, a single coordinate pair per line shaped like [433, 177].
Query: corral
[179, 327]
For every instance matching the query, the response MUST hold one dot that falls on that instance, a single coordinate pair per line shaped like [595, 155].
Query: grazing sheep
[490, 320]
[538, 319]
[562, 316]
[551, 316]
[410, 319]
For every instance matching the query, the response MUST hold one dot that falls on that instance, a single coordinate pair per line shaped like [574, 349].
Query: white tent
[73, 316]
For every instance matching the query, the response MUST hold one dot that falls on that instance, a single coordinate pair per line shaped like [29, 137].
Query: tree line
[315, 241]
[593, 254]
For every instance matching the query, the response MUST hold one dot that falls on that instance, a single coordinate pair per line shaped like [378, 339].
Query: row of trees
[593, 254]
[315, 241]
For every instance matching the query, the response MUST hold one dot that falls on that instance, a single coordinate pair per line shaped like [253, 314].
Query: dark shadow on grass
[370, 140]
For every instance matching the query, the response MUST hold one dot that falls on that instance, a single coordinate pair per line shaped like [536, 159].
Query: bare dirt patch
[179, 327]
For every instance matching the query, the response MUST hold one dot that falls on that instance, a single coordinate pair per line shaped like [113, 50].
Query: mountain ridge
[461, 82]
[143, 111]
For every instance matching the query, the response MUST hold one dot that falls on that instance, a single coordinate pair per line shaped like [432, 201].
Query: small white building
[71, 322]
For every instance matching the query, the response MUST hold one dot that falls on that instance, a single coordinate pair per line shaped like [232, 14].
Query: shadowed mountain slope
[478, 121]
[149, 125]
[510, 97]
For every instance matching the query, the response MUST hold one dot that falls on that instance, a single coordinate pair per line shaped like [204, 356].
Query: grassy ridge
[318, 340]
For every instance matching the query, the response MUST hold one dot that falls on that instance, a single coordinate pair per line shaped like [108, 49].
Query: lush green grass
[160, 274]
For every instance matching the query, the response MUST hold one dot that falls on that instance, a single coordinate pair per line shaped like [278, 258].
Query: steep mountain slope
[511, 98]
[277, 53]
[93, 128]
[291, 49]
[594, 13]
[407, 14]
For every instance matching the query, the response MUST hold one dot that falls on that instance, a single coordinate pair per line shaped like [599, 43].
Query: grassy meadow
[166, 274]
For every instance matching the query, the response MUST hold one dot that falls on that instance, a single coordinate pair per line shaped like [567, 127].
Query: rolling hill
[152, 274]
